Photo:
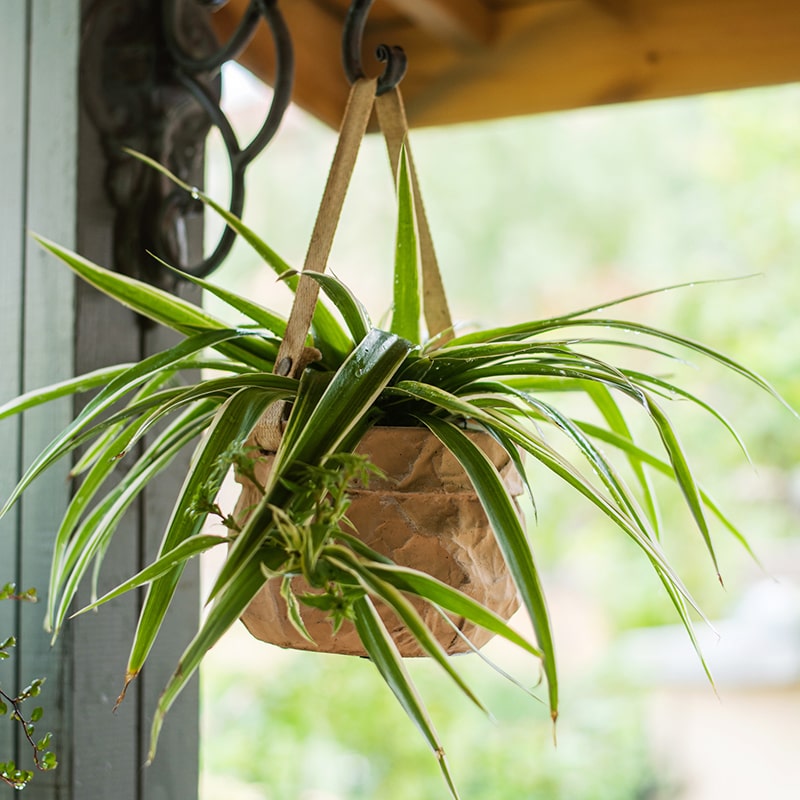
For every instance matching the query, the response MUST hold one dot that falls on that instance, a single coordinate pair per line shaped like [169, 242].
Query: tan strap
[392, 120]
[354, 126]
[293, 356]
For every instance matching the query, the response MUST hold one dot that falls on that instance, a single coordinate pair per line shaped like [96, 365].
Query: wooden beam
[570, 54]
[461, 23]
[544, 55]
[617, 8]
[110, 748]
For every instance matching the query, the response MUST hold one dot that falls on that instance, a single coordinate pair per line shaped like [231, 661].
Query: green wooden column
[38, 151]
[52, 170]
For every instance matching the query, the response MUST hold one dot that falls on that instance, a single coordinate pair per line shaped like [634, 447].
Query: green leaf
[83, 383]
[161, 306]
[343, 559]
[350, 307]
[263, 250]
[478, 336]
[232, 424]
[123, 383]
[95, 450]
[293, 607]
[177, 557]
[262, 316]
[665, 468]
[440, 594]
[525, 330]
[683, 614]
[337, 411]
[603, 468]
[684, 477]
[434, 591]
[602, 374]
[44, 742]
[100, 459]
[612, 414]
[670, 391]
[276, 386]
[226, 610]
[328, 334]
[502, 515]
[95, 532]
[133, 413]
[383, 652]
[350, 394]
[81, 498]
[505, 424]
[406, 305]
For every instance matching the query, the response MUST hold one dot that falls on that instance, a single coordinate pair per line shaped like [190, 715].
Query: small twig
[43, 758]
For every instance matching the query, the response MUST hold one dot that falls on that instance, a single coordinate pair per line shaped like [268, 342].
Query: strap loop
[293, 356]
[354, 126]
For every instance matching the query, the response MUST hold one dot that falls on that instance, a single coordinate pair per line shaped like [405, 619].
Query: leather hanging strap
[354, 126]
[293, 356]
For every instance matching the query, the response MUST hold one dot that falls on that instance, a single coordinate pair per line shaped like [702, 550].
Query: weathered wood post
[53, 165]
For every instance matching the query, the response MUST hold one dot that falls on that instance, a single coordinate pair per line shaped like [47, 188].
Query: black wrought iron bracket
[151, 82]
[150, 76]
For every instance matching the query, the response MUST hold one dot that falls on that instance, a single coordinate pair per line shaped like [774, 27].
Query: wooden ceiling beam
[543, 55]
[462, 23]
[617, 8]
[549, 56]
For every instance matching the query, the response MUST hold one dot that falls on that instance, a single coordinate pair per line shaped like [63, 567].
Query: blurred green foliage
[305, 726]
[534, 216]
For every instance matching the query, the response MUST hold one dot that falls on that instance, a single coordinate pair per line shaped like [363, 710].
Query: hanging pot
[423, 514]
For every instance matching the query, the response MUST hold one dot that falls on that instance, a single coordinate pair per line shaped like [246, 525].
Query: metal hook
[352, 40]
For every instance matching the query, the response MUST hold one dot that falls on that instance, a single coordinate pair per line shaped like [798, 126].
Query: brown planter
[424, 515]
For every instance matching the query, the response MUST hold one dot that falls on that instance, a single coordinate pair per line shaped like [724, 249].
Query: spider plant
[504, 380]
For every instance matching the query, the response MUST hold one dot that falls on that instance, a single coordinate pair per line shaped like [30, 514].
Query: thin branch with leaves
[11, 706]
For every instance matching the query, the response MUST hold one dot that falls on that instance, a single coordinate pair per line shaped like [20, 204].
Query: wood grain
[475, 61]
[46, 186]
[462, 23]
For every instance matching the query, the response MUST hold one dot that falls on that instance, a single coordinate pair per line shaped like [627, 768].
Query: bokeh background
[534, 217]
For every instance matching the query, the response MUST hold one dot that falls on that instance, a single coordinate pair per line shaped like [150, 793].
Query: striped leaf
[406, 306]
[508, 531]
[231, 426]
[386, 658]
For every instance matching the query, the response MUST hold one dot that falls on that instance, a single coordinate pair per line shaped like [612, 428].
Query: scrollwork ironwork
[352, 42]
[150, 74]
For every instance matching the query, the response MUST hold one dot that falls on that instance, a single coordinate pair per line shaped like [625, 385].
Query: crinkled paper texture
[423, 515]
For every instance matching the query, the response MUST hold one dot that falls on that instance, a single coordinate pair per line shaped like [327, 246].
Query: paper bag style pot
[424, 514]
